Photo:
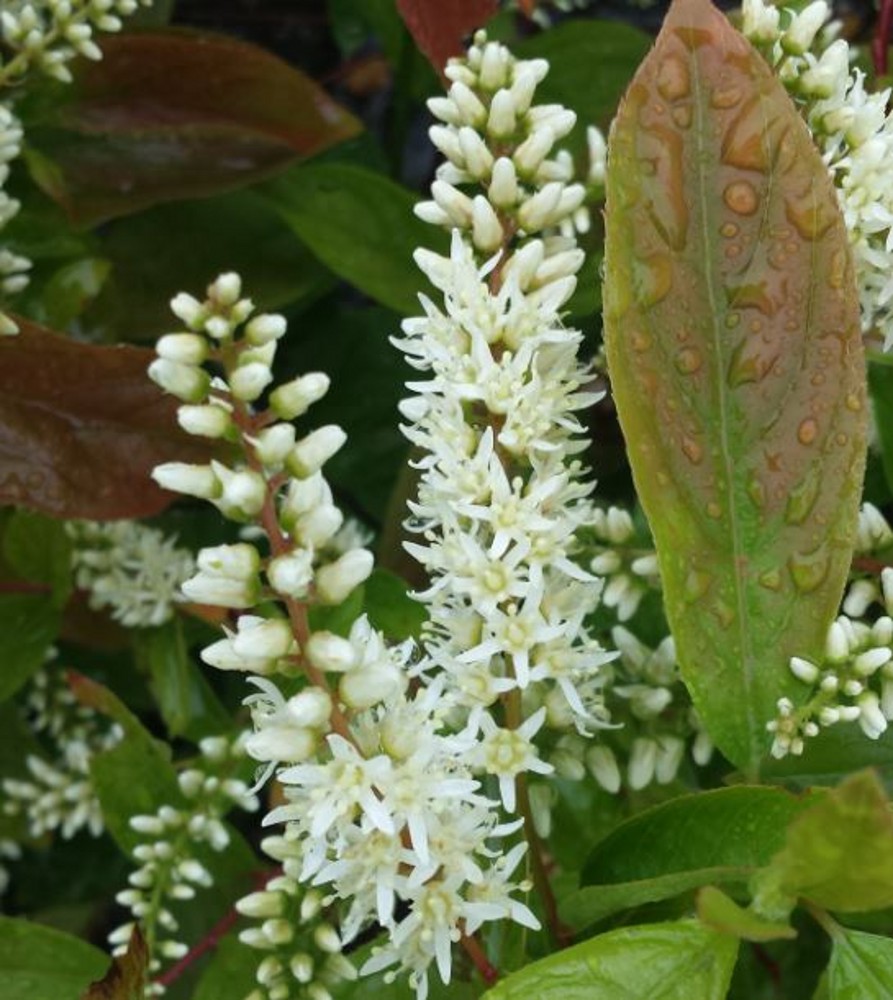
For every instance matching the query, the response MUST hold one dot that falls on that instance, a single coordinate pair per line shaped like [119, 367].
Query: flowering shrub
[346, 652]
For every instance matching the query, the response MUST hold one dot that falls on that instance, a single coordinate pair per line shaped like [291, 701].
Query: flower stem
[881, 40]
[475, 952]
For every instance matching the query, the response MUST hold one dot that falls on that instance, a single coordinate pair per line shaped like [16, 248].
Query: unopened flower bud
[204, 421]
[186, 382]
[361, 689]
[294, 398]
[312, 452]
[247, 382]
[335, 581]
[188, 309]
[273, 444]
[289, 744]
[330, 652]
[240, 561]
[268, 638]
[184, 348]
[311, 708]
[244, 491]
[291, 575]
[265, 328]
[226, 289]
[193, 480]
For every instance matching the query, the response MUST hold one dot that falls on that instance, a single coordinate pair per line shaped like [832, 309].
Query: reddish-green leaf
[81, 427]
[439, 28]
[736, 361]
[175, 114]
[126, 977]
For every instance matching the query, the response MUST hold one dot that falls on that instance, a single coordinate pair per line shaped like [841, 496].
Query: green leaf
[390, 608]
[839, 853]
[735, 353]
[832, 755]
[134, 777]
[185, 699]
[590, 64]
[861, 967]
[880, 382]
[168, 115]
[38, 963]
[213, 235]
[721, 913]
[718, 836]
[38, 549]
[29, 625]
[678, 961]
[231, 973]
[330, 204]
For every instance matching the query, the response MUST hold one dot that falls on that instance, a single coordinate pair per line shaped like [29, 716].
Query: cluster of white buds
[656, 719]
[853, 683]
[132, 570]
[381, 803]
[874, 537]
[853, 130]
[301, 948]
[13, 267]
[626, 560]
[45, 35]
[502, 494]
[59, 795]
[170, 870]
[42, 36]
[494, 138]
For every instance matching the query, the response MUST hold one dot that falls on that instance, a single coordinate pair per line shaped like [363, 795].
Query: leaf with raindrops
[732, 332]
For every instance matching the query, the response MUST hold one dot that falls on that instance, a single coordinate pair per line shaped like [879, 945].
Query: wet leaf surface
[81, 427]
[736, 360]
[175, 114]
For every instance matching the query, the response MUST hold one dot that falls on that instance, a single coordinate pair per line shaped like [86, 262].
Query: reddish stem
[214, 936]
[24, 587]
[868, 565]
[476, 953]
[881, 41]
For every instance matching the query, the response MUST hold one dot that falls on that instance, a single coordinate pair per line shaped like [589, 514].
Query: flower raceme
[383, 803]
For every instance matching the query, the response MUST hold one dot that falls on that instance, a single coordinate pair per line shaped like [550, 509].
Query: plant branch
[881, 41]
[475, 952]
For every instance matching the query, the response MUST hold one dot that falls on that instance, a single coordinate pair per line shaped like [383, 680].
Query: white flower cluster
[627, 563]
[42, 36]
[60, 794]
[853, 683]
[170, 872]
[382, 805]
[853, 130]
[45, 35]
[502, 493]
[302, 949]
[132, 570]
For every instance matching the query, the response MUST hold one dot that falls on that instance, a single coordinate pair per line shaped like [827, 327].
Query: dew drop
[714, 510]
[653, 277]
[732, 320]
[853, 402]
[682, 116]
[841, 439]
[817, 379]
[673, 79]
[688, 360]
[837, 269]
[771, 579]
[724, 614]
[732, 251]
[697, 583]
[756, 491]
[723, 98]
[692, 450]
[741, 197]
[812, 218]
[640, 340]
[728, 229]
[802, 498]
[809, 569]
[807, 431]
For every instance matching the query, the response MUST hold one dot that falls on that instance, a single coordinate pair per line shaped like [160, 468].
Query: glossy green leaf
[590, 64]
[678, 961]
[390, 608]
[721, 913]
[168, 115]
[718, 836]
[231, 973]
[39, 963]
[113, 771]
[861, 967]
[839, 853]
[185, 699]
[330, 205]
[82, 426]
[238, 231]
[732, 332]
[880, 381]
[37, 548]
[832, 755]
[29, 625]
